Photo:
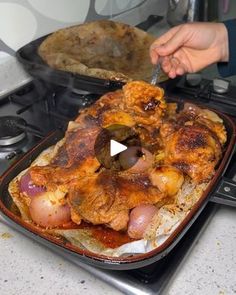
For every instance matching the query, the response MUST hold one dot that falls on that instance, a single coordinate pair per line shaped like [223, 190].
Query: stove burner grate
[11, 130]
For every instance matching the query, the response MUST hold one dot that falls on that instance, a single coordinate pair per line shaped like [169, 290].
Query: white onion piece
[48, 211]
[167, 178]
[28, 187]
[205, 113]
[140, 218]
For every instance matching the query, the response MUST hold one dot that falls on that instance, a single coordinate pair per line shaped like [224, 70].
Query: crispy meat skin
[74, 159]
[192, 142]
[145, 101]
[107, 197]
[193, 149]
[111, 101]
[138, 104]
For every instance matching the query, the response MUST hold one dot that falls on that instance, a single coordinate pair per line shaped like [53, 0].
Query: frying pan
[28, 56]
[35, 66]
[222, 189]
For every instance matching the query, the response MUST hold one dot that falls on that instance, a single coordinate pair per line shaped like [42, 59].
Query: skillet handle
[225, 192]
[150, 21]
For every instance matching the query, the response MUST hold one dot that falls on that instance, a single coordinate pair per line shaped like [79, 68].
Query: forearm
[229, 68]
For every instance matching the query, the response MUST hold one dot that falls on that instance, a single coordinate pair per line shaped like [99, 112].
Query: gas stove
[31, 112]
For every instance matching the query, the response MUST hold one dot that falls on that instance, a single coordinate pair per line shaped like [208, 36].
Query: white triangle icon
[116, 147]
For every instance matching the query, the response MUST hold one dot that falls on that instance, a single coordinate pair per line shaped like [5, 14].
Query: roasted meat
[106, 197]
[138, 104]
[145, 101]
[184, 145]
[193, 142]
[74, 159]
[194, 150]
[207, 118]
[110, 102]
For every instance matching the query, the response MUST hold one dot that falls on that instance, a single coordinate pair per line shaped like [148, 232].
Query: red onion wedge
[140, 218]
[28, 187]
[136, 159]
[48, 211]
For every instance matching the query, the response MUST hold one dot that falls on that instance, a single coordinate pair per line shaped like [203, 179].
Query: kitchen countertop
[12, 75]
[29, 268]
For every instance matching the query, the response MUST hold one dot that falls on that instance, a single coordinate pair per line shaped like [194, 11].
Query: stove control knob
[193, 79]
[221, 86]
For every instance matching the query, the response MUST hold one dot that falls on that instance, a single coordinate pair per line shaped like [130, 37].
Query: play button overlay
[117, 147]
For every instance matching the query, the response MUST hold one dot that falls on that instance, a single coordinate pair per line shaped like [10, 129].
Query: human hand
[190, 47]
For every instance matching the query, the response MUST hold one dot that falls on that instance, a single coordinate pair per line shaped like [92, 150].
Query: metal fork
[156, 74]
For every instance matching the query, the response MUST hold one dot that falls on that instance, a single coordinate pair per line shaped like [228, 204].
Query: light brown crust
[102, 49]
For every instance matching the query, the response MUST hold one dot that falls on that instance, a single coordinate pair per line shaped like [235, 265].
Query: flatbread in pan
[186, 146]
[104, 49]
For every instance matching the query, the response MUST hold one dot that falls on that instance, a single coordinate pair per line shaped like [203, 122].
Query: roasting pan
[215, 192]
